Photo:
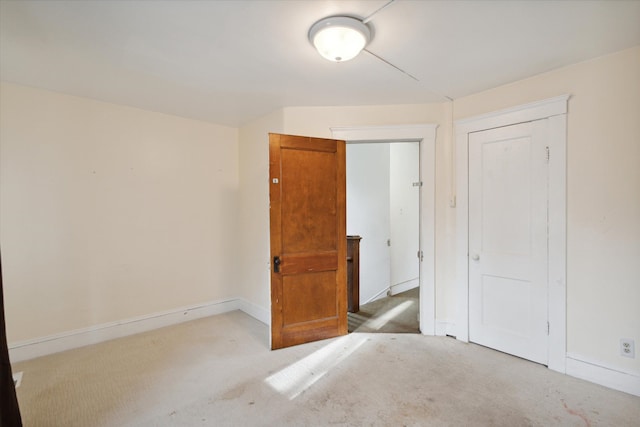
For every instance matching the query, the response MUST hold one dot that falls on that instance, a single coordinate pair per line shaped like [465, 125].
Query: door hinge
[388, 242]
[548, 154]
[417, 184]
[420, 256]
[548, 327]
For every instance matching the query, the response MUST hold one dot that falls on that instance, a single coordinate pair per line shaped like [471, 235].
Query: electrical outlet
[627, 348]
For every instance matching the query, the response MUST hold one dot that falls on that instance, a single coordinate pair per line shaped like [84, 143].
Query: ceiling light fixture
[339, 38]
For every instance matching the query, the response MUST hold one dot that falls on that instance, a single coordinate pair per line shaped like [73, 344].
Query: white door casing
[508, 239]
[426, 135]
[554, 110]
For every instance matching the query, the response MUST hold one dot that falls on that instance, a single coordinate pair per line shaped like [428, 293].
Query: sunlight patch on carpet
[378, 322]
[301, 375]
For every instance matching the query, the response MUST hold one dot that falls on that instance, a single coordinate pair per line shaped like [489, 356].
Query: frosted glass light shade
[339, 38]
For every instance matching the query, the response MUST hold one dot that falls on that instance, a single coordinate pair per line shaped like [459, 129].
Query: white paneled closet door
[508, 262]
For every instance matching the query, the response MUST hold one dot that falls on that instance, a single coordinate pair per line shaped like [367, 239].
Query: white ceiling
[229, 62]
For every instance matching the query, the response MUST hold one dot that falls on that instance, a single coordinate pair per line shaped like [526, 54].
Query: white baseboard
[593, 371]
[255, 311]
[24, 350]
[445, 327]
[376, 296]
[404, 286]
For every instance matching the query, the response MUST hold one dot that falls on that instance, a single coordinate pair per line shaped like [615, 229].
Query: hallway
[391, 314]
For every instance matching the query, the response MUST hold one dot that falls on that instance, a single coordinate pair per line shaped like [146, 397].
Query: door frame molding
[555, 110]
[425, 134]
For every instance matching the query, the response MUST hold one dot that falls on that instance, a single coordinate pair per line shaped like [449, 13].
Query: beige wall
[603, 174]
[254, 255]
[110, 212]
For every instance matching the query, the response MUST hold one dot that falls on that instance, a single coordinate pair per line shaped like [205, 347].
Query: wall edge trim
[578, 367]
[543, 108]
[404, 286]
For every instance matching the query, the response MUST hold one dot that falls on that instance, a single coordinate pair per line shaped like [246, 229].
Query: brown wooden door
[308, 236]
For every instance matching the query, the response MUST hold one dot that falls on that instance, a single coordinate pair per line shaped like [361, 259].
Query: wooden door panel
[308, 235]
[310, 262]
[318, 287]
[308, 332]
[307, 143]
[309, 180]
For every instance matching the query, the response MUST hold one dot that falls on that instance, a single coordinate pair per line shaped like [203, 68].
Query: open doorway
[425, 134]
[383, 208]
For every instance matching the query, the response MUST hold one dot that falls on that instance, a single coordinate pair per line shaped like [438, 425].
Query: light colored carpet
[392, 314]
[218, 371]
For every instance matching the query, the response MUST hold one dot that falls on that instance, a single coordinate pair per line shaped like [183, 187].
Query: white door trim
[426, 135]
[555, 110]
